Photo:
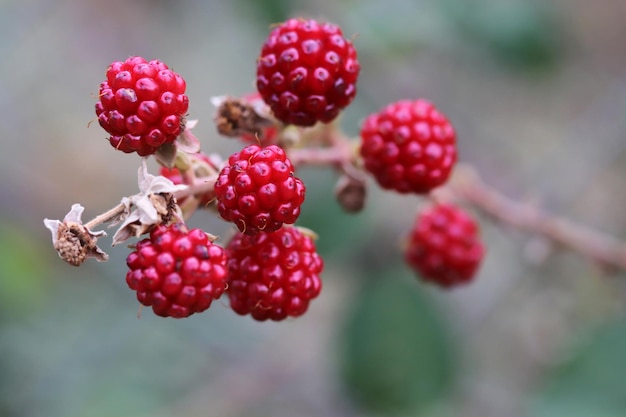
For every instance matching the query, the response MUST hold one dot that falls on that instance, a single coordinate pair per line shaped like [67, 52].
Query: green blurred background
[537, 91]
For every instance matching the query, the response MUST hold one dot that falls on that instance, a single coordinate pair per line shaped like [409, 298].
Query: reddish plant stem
[200, 185]
[466, 185]
[597, 246]
[105, 217]
[470, 188]
[317, 157]
[339, 153]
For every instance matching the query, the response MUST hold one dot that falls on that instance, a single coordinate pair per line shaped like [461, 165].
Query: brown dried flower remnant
[155, 204]
[72, 240]
[351, 193]
[236, 117]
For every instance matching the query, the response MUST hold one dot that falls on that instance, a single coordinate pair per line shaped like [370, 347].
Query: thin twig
[466, 185]
[106, 217]
[600, 247]
[200, 186]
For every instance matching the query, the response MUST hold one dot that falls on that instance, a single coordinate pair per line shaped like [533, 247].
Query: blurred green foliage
[340, 233]
[397, 354]
[522, 34]
[22, 268]
[591, 381]
[271, 11]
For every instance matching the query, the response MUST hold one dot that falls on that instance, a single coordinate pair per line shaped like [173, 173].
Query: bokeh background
[537, 91]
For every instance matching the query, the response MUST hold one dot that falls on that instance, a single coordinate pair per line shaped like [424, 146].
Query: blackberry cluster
[306, 73]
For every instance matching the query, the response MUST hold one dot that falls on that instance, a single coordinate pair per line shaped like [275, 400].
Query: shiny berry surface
[177, 272]
[258, 191]
[272, 276]
[307, 72]
[142, 105]
[409, 146]
[444, 246]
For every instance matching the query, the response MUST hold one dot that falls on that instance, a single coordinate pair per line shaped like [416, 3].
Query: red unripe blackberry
[258, 191]
[273, 275]
[142, 105]
[177, 272]
[444, 246]
[307, 72]
[409, 146]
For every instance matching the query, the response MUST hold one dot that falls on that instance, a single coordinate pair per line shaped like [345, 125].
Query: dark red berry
[258, 191]
[444, 246]
[273, 275]
[177, 272]
[409, 146]
[142, 105]
[307, 72]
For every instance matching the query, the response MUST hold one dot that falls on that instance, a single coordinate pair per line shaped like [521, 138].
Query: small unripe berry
[258, 191]
[307, 72]
[177, 272]
[409, 146]
[444, 246]
[142, 105]
[273, 275]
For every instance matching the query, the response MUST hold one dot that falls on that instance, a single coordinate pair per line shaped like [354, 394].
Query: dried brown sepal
[236, 117]
[187, 141]
[154, 205]
[166, 155]
[166, 210]
[351, 193]
[73, 241]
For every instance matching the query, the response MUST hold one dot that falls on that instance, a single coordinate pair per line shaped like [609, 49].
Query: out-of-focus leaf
[268, 11]
[591, 382]
[338, 231]
[396, 351]
[90, 356]
[523, 34]
[395, 31]
[21, 269]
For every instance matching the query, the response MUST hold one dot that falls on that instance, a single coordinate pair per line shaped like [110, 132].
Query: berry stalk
[467, 185]
[200, 185]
